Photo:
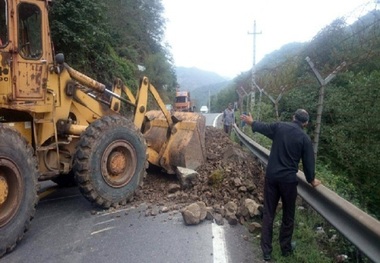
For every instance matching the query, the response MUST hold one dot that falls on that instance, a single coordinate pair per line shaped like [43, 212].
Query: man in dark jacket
[290, 144]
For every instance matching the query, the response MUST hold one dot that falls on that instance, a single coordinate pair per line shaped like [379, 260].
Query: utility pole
[253, 82]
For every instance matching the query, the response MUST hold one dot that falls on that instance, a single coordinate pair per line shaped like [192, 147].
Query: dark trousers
[273, 191]
[227, 129]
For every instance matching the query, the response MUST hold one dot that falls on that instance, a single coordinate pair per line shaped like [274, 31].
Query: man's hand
[247, 118]
[315, 182]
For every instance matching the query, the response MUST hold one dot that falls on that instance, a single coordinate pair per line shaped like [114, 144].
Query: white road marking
[219, 244]
[107, 212]
[104, 222]
[215, 120]
[102, 230]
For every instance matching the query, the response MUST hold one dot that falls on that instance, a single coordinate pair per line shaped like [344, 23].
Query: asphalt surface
[67, 228]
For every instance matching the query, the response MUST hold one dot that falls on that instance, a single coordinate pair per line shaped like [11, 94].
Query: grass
[312, 246]
[308, 248]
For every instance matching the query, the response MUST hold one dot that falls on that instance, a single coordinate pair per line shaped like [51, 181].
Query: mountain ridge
[193, 78]
[201, 84]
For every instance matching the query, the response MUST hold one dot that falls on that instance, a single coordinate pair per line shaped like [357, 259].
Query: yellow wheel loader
[59, 124]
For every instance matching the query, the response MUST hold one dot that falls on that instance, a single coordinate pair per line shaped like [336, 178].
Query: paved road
[68, 229]
[213, 119]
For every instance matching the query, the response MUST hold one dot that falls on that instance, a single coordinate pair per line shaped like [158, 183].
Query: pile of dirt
[230, 173]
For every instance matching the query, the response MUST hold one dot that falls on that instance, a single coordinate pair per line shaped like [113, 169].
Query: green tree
[110, 39]
[137, 28]
[352, 132]
[79, 30]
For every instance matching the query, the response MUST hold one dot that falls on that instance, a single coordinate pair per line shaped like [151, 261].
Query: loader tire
[110, 161]
[18, 188]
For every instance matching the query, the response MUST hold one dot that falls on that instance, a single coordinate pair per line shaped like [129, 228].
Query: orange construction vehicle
[183, 102]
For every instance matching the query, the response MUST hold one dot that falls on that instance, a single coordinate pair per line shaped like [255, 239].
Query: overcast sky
[217, 35]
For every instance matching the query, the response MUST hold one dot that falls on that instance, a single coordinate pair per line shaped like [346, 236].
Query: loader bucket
[182, 145]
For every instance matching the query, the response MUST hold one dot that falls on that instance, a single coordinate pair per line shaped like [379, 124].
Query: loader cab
[29, 31]
[25, 48]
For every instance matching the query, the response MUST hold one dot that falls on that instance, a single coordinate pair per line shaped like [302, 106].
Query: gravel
[229, 174]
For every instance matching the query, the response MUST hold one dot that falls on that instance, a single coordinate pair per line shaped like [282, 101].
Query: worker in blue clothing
[228, 119]
[290, 144]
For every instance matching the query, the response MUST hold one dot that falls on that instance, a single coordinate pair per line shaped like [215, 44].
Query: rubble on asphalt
[228, 186]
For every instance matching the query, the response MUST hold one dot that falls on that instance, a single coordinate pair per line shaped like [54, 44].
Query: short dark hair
[301, 115]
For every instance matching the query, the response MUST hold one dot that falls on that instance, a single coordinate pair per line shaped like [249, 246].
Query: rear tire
[18, 188]
[110, 161]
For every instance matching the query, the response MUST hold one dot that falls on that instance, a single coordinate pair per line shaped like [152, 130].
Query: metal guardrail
[359, 228]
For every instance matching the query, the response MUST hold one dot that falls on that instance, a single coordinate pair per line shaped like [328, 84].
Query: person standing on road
[290, 144]
[228, 119]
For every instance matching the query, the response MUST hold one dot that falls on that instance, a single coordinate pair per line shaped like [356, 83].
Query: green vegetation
[111, 39]
[315, 240]
[348, 145]
[306, 238]
[216, 178]
[349, 140]
[313, 245]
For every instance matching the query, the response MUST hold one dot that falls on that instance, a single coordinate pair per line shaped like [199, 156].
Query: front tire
[18, 188]
[110, 161]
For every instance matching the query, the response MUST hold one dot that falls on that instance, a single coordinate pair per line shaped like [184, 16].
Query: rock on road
[68, 229]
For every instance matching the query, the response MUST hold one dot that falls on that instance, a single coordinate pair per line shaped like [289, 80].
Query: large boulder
[194, 213]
